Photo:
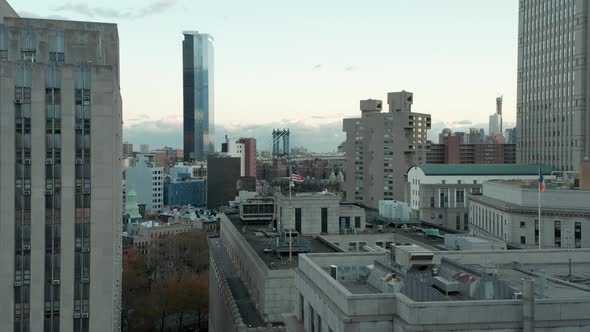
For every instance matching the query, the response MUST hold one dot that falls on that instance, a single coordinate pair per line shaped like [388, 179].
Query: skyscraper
[198, 95]
[380, 147]
[60, 175]
[553, 118]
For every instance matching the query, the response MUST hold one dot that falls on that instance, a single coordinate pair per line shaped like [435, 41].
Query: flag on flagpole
[296, 176]
[541, 181]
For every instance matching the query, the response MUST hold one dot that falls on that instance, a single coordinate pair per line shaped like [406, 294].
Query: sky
[305, 64]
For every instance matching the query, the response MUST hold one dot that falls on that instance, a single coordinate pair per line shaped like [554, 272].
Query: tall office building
[553, 116]
[381, 147]
[198, 96]
[60, 175]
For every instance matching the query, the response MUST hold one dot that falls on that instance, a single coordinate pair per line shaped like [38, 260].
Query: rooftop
[483, 169]
[549, 185]
[261, 239]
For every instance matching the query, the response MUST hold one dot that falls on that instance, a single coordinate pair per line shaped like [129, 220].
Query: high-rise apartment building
[127, 150]
[198, 95]
[380, 147]
[60, 175]
[553, 116]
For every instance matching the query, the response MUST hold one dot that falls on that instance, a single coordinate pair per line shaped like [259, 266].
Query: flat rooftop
[557, 282]
[259, 243]
[534, 184]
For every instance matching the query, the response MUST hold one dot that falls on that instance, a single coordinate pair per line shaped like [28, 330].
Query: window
[301, 307]
[324, 220]
[458, 223]
[466, 221]
[357, 222]
[578, 234]
[536, 231]
[460, 198]
[440, 216]
[557, 233]
[312, 318]
[522, 240]
[522, 224]
[298, 220]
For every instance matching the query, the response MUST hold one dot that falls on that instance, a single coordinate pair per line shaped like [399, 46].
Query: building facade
[508, 211]
[249, 156]
[552, 98]
[438, 193]
[381, 147]
[127, 150]
[198, 96]
[222, 178]
[189, 192]
[452, 151]
[60, 175]
[317, 213]
[147, 181]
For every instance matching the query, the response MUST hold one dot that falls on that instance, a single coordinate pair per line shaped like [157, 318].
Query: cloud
[84, 9]
[328, 116]
[317, 67]
[463, 122]
[319, 137]
[350, 68]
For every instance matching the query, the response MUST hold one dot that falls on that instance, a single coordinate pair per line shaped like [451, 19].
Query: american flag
[296, 176]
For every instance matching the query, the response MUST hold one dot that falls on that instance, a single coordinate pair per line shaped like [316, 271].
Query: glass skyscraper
[197, 66]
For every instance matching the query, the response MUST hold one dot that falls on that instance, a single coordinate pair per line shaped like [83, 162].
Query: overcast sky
[306, 64]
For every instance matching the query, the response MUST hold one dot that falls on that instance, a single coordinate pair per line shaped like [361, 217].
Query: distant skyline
[308, 63]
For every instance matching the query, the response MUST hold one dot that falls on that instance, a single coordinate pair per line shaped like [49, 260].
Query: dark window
[465, 221]
[357, 222]
[578, 234]
[536, 232]
[522, 240]
[458, 223]
[324, 220]
[298, 220]
[522, 224]
[302, 307]
[557, 233]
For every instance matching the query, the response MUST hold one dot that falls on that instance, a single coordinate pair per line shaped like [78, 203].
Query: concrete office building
[508, 211]
[60, 175]
[381, 147]
[314, 213]
[438, 193]
[222, 178]
[249, 288]
[147, 181]
[198, 96]
[420, 290]
[552, 98]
